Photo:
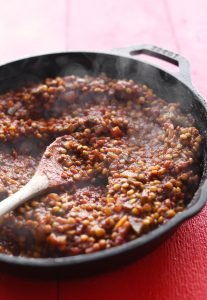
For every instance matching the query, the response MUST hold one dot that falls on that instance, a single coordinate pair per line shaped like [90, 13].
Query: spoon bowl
[49, 175]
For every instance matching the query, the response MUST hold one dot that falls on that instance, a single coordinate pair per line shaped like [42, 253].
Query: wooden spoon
[48, 175]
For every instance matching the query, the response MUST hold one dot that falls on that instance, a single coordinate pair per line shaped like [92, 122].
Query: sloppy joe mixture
[132, 160]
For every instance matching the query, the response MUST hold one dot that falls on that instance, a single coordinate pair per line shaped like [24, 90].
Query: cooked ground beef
[134, 160]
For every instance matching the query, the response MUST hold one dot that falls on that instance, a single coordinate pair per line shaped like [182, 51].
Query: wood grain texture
[17, 288]
[31, 27]
[178, 268]
[190, 26]
[99, 25]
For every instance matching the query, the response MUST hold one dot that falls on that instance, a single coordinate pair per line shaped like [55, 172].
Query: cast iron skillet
[118, 64]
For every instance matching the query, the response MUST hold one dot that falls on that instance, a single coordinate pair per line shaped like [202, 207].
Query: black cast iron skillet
[118, 64]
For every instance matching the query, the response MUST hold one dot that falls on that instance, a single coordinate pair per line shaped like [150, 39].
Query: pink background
[178, 268]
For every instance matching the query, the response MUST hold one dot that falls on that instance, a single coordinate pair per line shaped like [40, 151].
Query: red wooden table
[177, 269]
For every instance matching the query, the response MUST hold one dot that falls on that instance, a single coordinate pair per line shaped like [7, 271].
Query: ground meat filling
[133, 161]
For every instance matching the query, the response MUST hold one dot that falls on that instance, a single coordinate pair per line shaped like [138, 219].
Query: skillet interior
[167, 86]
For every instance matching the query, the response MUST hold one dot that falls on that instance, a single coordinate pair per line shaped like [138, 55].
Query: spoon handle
[37, 184]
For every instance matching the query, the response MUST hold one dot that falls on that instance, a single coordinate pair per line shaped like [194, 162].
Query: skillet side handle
[184, 73]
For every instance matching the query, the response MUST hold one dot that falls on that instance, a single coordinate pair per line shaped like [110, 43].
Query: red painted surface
[178, 269]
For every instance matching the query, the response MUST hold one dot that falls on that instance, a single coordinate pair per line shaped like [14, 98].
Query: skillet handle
[184, 68]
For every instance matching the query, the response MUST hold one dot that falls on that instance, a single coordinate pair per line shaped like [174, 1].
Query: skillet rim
[145, 239]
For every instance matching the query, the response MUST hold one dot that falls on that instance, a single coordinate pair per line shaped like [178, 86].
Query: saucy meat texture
[132, 159]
